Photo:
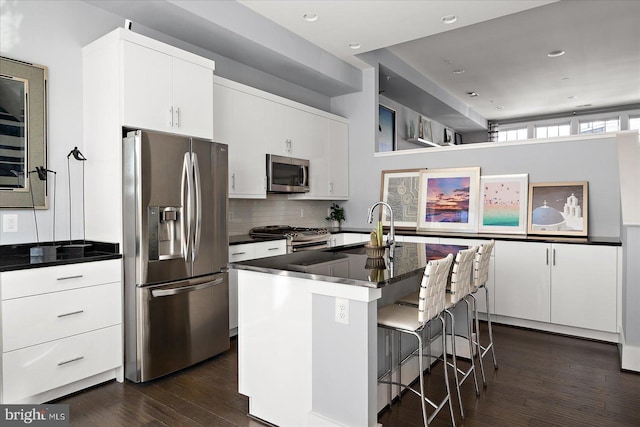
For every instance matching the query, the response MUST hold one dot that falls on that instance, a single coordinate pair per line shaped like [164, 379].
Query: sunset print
[448, 199]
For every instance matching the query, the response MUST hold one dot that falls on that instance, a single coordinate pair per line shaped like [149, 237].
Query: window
[600, 126]
[512, 134]
[563, 129]
[634, 123]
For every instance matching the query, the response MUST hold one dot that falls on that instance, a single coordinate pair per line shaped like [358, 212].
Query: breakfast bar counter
[307, 335]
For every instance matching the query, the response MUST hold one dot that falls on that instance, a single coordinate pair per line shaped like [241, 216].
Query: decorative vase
[374, 251]
[335, 224]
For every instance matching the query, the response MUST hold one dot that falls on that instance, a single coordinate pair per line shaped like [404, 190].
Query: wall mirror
[23, 134]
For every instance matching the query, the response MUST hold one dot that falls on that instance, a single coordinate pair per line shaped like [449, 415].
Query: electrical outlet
[10, 223]
[342, 311]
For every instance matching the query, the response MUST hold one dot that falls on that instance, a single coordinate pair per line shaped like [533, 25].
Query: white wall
[52, 34]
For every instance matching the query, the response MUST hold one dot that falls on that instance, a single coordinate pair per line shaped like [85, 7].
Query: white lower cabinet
[563, 284]
[61, 329]
[523, 280]
[36, 369]
[243, 252]
[341, 239]
[584, 286]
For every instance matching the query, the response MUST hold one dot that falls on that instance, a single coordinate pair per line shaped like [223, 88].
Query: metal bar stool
[461, 287]
[480, 278]
[404, 319]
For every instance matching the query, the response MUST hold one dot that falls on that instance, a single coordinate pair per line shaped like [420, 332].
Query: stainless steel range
[298, 238]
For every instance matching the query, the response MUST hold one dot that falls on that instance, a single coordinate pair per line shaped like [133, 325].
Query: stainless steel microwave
[287, 175]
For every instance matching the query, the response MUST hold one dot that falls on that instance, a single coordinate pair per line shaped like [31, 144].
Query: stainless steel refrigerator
[175, 252]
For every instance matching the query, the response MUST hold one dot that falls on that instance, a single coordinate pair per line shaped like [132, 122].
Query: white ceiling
[502, 47]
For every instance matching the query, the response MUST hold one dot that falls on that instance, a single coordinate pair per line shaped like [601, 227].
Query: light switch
[10, 223]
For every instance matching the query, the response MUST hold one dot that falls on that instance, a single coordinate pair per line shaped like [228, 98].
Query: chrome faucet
[391, 237]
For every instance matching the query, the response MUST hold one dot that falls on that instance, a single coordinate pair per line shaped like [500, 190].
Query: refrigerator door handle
[198, 208]
[185, 191]
[182, 290]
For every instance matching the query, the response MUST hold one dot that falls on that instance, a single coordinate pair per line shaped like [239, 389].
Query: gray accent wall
[593, 159]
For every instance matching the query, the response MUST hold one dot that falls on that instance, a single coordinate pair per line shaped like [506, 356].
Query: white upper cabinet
[338, 160]
[238, 120]
[130, 80]
[255, 123]
[165, 93]
[285, 132]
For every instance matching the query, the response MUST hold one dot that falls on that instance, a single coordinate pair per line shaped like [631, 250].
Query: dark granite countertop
[17, 257]
[590, 240]
[245, 238]
[350, 265]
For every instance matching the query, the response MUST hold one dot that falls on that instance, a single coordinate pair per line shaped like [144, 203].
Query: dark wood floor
[543, 380]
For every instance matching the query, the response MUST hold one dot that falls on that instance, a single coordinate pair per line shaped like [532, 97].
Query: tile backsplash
[277, 209]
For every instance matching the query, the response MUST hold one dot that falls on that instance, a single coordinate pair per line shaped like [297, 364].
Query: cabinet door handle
[177, 117]
[547, 251]
[71, 313]
[238, 253]
[273, 249]
[75, 359]
[233, 181]
[554, 256]
[331, 187]
[70, 277]
[170, 117]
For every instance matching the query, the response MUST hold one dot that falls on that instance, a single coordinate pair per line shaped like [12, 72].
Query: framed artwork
[401, 189]
[503, 203]
[386, 129]
[558, 208]
[449, 199]
[424, 129]
[448, 136]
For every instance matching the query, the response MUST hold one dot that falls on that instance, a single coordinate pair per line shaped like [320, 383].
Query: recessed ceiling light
[459, 71]
[583, 105]
[499, 107]
[565, 78]
[472, 94]
[310, 17]
[571, 97]
[555, 53]
[355, 45]
[449, 19]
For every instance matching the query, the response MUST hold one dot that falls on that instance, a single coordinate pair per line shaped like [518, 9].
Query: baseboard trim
[629, 355]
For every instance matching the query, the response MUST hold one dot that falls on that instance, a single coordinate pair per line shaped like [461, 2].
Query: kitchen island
[307, 336]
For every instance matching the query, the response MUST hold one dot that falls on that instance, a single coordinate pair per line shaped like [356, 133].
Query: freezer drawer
[180, 324]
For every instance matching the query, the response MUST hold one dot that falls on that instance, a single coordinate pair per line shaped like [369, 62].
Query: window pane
[541, 132]
[634, 123]
[564, 130]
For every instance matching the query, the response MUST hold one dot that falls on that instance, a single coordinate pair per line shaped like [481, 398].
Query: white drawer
[270, 248]
[241, 252]
[34, 281]
[41, 318]
[36, 369]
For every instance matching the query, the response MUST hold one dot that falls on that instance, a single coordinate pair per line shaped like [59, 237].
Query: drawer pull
[75, 359]
[273, 249]
[71, 314]
[70, 277]
[238, 253]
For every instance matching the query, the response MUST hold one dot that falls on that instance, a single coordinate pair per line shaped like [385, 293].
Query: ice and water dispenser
[165, 232]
